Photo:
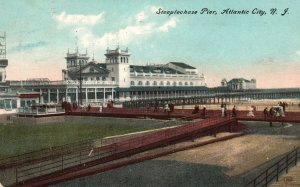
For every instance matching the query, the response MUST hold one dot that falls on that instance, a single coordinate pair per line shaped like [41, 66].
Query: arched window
[132, 83]
[186, 83]
[92, 70]
[168, 83]
[174, 83]
[154, 83]
[191, 83]
[147, 83]
[140, 83]
[161, 83]
[180, 83]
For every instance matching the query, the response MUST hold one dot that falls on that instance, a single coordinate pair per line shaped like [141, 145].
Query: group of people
[69, 107]
[283, 105]
[197, 109]
[224, 111]
[167, 107]
[66, 106]
[274, 112]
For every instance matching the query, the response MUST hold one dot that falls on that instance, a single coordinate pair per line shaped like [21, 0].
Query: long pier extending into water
[212, 96]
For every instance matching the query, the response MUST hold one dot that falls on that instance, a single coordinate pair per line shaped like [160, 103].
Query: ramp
[54, 170]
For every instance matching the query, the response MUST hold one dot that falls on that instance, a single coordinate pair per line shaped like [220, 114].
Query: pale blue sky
[39, 32]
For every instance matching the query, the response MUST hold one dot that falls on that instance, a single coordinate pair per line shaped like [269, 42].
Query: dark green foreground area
[18, 139]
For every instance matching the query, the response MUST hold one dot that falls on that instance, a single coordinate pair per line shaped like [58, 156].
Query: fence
[35, 156]
[273, 172]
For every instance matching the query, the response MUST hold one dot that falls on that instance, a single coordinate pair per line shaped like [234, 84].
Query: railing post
[40, 169]
[287, 163]
[296, 157]
[267, 177]
[277, 172]
[79, 157]
[98, 153]
[17, 175]
[62, 162]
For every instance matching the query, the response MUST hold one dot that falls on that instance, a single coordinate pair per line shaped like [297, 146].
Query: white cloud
[142, 27]
[298, 52]
[171, 23]
[125, 35]
[141, 16]
[78, 19]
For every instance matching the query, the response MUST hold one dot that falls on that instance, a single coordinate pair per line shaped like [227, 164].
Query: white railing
[39, 110]
[134, 75]
[67, 82]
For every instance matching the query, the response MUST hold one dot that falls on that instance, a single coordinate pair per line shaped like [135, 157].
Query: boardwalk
[229, 163]
[55, 169]
[183, 113]
[62, 167]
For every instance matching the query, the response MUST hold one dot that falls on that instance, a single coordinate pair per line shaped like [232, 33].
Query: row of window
[74, 62]
[7, 103]
[95, 78]
[161, 83]
[98, 78]
[115, 59]
[92, 78]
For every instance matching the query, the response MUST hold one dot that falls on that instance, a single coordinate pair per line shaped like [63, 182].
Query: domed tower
[224, 82]
[117, 62]
[74, 62]
[3, 60]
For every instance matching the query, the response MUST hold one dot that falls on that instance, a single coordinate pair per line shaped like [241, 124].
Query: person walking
[250, 114]
[271, 112]
[265, 113]
[234, 113]
[204, 111]
[222, 110]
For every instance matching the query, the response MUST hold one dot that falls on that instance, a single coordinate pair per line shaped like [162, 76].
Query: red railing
[91, 157]
[72, 161]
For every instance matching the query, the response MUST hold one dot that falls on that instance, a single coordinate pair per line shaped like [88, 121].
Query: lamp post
[80, 84]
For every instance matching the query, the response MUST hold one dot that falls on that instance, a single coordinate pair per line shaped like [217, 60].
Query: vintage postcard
[149, 93]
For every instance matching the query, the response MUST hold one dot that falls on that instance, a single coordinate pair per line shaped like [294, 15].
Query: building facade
[239, 84]
[91, 82]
